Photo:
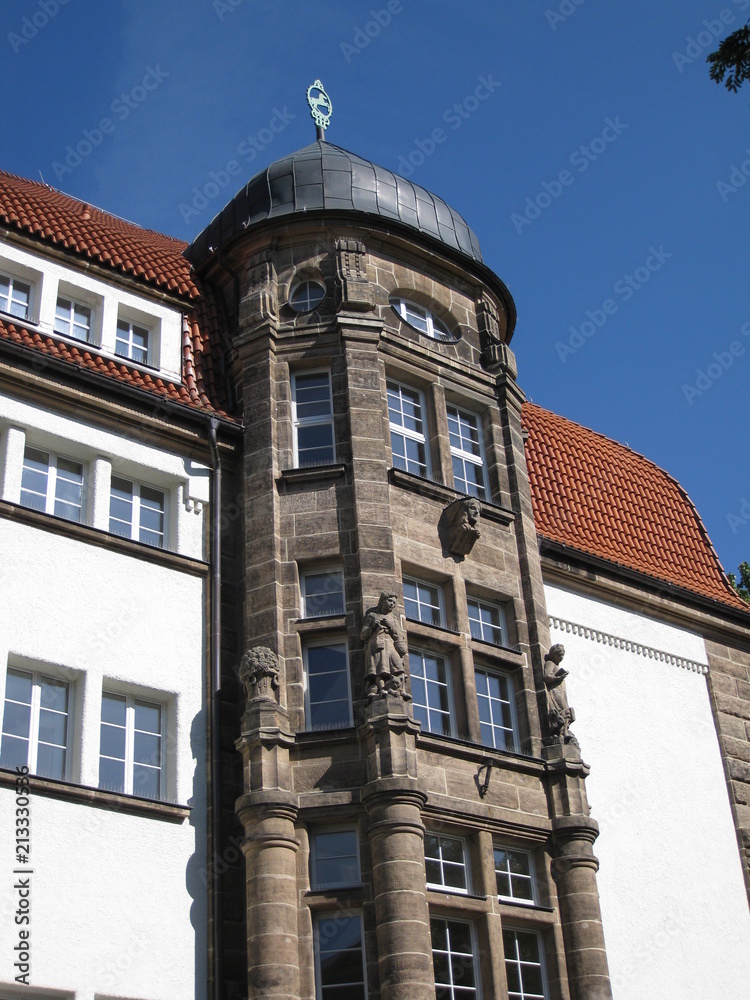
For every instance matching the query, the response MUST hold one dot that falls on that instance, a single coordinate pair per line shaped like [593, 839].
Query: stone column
[394, 799]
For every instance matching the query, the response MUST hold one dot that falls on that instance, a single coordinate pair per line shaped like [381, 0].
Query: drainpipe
[215, 710]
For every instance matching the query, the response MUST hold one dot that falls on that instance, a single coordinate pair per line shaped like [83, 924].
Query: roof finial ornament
[320, 108]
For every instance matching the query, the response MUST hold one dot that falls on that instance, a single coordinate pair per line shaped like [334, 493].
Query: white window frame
[421, 319]
[531, 878]
[400, 430]
[307, 610]
[512, 743]
[130, 347]
[338, 642]
[73, 305]
[521, 994]
[317, 883]
[319, 935]
[135, 521]
[443, 886]
[51, 498]
[462, 455]
[14, 280]
[314, 421]
[418, 656]
[492, 608]
[302, 288]
[129, 761]
[460, 955]
[37, 677]
[425, 607]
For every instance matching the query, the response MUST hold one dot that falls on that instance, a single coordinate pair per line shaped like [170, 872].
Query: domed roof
[322, 177]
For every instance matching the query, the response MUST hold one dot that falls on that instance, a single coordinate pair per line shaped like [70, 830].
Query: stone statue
[385, 649]
[559, 714]
[459, 525]
[259, 674]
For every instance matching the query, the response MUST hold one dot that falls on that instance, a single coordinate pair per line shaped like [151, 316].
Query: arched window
[421, 319]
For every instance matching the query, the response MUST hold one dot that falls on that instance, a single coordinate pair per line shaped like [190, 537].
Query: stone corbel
[261, 301]
[458, 527]
[351, 272]
[259, 674]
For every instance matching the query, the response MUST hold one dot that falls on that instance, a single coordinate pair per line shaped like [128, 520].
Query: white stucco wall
[119, 904]
[673, 900]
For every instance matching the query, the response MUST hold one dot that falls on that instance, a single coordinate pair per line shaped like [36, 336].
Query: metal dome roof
[322, 177]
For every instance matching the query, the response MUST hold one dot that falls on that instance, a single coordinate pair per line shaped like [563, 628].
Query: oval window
[421, 319]
[306, 296]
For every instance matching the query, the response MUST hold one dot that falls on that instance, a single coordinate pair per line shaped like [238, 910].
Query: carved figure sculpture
[559, 713]
[459, 525]
[385, 649]
[259, 674]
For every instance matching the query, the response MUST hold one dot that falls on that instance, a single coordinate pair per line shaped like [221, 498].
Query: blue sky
[582, 139]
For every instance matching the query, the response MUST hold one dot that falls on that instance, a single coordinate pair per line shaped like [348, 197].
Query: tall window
[408, 434]
[445, 863]
[423, 602]
[453, 959]
[328, 698]
[313, 418]
[514, 875]
[130, 752]
[73, 319]
[334, 856]
[431, 693]
[323, 593]
[496, 710]
[137, 512]
[35, 724]
[52, 484]
[339, 957]
[466, 451]
[132, 341]
[487, 622]
[524, 965]
[15, 296]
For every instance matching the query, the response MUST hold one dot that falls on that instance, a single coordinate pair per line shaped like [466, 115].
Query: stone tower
[414, 809]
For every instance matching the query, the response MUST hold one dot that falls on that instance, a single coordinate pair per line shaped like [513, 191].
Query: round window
[421, 319]
[306, 296]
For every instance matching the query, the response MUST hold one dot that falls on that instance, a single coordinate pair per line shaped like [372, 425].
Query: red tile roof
[601, 498]
[38, 210]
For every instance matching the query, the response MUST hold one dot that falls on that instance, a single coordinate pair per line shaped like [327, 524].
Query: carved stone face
[389, 602]
[557, 652]
[473, 512]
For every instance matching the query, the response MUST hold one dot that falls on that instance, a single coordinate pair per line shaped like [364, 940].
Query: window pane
[34, 479]
[146, 781]
[17, 719]
[147, 717]
[336, 859]
[324, 593]
[315, 444]
[18, 686]
[50, 761]
[112, 774]
[14, 752]
[112, 741]
[53, 727]
[114, 709]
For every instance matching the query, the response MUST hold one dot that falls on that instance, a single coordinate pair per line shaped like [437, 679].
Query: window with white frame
[334, 859]
[137, 512]
[15, 296]
[306, 296]
[52, 484]
[445, 863]
[496, 709]
[487, 622]
[323, 592]
[524, 965]
[131, 746]
[339, 957]
[328, 703]
[423, 602]
[408, 429]
[73, 319]
[464, 430]
[421, 319]
[313, 418]
[454, 959]
[514, 873]
[431, 692]
[36, 723]
[132, 341]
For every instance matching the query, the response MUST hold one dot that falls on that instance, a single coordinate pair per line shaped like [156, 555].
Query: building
[306, 709]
